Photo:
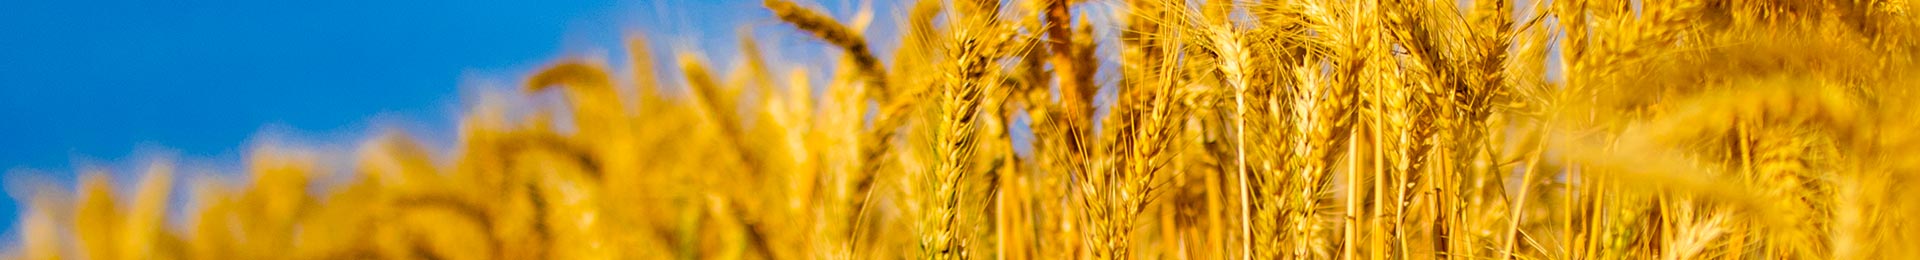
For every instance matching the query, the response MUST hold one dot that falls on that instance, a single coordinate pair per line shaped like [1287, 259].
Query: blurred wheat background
[1127, 129]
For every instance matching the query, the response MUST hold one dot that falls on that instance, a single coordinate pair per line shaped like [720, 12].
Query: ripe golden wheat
[1149, 129]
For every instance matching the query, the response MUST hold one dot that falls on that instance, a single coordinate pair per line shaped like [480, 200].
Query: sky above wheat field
[112, 85]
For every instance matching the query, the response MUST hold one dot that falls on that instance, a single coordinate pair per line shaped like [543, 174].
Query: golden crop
[1270, 129]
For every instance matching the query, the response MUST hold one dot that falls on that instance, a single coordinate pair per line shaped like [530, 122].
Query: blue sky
[111, 84]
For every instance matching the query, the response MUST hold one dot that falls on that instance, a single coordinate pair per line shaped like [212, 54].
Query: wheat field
[1189, 129]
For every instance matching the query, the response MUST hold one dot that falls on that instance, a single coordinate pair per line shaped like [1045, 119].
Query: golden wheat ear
[573, 73]
[94, 219]
[597, 109]
[646, 81]
[831, 31]
[39, 229]
[144, 233]
[394, 159]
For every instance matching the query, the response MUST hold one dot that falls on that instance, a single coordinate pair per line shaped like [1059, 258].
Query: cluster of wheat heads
[1271, 129]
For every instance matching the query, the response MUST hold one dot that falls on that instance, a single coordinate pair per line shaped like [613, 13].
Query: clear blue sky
[110, 83]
